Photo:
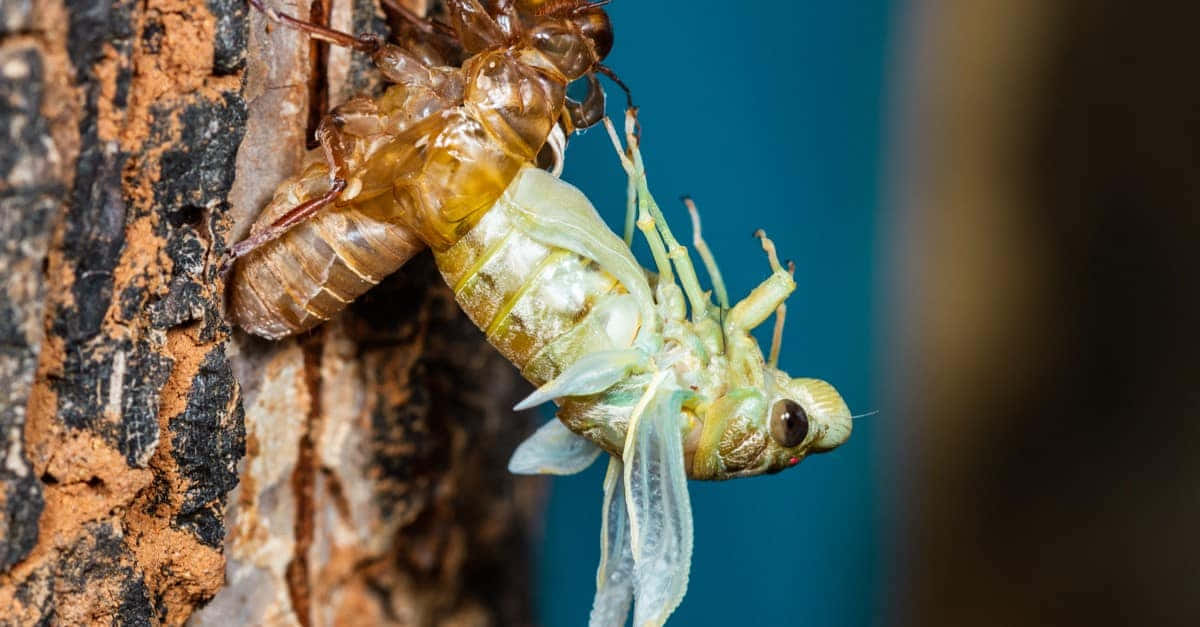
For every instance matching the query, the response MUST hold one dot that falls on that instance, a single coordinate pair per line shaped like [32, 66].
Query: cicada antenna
[607, 71]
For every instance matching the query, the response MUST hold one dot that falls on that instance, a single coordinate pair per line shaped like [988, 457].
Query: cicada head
[575, 36]
[761, 419]
[753, 431]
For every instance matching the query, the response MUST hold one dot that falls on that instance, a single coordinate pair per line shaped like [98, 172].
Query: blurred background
[993, 211]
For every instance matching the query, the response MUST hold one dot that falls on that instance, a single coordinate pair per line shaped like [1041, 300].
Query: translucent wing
[555, 213]
[659, 509]
[553, 450]
[591, 374]
[614, 578]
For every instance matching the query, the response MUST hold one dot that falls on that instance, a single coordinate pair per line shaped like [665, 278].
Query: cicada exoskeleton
[643, 365]
[418, 165]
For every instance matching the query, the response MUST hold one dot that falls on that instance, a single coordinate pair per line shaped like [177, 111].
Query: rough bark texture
[150, 461]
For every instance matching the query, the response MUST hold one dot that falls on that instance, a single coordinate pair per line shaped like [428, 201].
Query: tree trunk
[155, 463]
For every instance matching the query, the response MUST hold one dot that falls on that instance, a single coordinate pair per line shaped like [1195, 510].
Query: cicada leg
[426, 25]
[336, 143]
[710, 263]
[367, 43]
[295, 216]
[588, 112]
[780, 317]
[339, 133]
[764, 299]
[666, 249]
[644, 222]
[387, 57]
[630, 210]
[777, 335]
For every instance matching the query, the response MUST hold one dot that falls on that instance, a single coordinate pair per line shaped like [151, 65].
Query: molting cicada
[643, 365]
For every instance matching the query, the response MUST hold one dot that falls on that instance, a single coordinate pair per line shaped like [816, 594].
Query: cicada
[420, 164]
[672, 386]
[643, 365]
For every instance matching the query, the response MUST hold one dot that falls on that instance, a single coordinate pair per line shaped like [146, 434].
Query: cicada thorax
[412, 182]
[509, 108]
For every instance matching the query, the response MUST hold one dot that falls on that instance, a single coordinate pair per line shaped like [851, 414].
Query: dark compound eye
[595, 26]
[789, 423]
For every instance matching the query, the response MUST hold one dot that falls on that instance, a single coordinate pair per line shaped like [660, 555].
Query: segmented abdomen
[414, 184]
[297, 282]
[532, 300]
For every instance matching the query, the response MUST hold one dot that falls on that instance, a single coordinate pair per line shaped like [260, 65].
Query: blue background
[769, 115]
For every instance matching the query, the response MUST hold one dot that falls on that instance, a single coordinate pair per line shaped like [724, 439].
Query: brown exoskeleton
[643, 366]
[419, 164]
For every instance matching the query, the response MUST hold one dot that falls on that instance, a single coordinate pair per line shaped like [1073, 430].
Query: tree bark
[156, 463]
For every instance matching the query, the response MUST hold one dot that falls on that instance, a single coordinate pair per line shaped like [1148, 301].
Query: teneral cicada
[643, 365]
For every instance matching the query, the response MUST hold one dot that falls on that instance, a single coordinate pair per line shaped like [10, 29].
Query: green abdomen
[531, 300]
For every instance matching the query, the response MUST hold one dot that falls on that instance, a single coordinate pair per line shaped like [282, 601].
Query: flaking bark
[155, 463]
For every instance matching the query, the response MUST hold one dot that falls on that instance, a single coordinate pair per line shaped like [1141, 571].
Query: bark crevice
[155, 463]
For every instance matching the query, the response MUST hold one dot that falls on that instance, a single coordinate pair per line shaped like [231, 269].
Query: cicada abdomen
[417, 166]
[545, 279]
[297, 282]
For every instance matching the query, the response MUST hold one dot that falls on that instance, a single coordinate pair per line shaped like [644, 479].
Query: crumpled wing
[614, 577]
[592, 374]
[554, 212]
[660, 511]
[553, 450]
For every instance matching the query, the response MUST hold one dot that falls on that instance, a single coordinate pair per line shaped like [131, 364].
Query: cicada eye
[789, 423]
[594, 25]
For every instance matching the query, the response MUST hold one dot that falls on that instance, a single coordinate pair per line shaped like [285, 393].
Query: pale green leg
[644, 223]
[630, 210]
[678, 254]
[764, 299]
[706, 256]
[777, 335]
[651, 216]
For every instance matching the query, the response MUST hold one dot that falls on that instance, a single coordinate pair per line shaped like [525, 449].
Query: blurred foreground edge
[1044, 407]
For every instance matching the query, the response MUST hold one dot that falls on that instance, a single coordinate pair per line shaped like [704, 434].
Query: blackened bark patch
[187, 299]
[207, 442]
[88, 567]
[145, 372]
[229, 43]
[198, 168]
[136, 607]
[22, 505]
[29, 198]
[95, 220]
[94, 23]
[450, 427]
[94, 236]
[408, 440]
[134, 421]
